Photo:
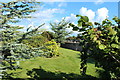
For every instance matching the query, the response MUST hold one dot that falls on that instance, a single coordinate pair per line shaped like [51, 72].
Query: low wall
[73, 46]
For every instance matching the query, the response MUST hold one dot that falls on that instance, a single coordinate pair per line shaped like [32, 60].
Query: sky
[55, 11]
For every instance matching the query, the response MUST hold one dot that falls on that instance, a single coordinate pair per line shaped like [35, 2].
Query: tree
[12, 12]
[49, 35]
[60, 30]
[73, 38]
[100, 43]
[12, 48]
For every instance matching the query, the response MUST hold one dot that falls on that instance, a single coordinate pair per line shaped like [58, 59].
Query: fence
[72, 45]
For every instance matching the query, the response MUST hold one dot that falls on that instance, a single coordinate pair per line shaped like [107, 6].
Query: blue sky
[56, 11]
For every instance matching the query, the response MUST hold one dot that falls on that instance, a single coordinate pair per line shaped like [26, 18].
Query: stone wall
[73, 46]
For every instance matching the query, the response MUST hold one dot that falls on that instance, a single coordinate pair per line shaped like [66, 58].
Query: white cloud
[98, 16]
[56, 21]
[102, 14]
[87, 12]
[46, 27]
[42, 28]
[44, 16]
[75, 33]
[31, 25]
[47, 14]
[62, 4]
[71, 18]
[99, 2]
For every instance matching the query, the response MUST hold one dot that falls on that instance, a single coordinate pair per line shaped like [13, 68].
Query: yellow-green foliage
[51, 49]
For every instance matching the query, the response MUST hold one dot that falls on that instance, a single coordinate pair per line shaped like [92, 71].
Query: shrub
[51, 49]
[35, 41]
[18, 51]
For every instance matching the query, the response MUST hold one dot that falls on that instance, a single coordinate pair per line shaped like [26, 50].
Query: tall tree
[12, 48]
[102, 44]
[60, 30]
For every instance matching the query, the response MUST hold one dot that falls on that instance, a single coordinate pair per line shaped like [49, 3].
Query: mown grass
[0, 44]
[68, 62]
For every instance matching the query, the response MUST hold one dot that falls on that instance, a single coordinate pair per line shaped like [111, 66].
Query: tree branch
[114, 57]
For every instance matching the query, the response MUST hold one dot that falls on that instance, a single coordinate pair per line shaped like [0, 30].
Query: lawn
[0, 43]
[68, 62]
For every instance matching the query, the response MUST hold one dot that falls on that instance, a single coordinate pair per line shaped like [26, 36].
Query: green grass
[68, 62]
[0, 44]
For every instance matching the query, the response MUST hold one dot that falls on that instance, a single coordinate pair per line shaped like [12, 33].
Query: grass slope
[67, 62]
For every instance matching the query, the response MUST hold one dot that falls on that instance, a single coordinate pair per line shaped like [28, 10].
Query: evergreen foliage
[59, 30]
[12, 48]
[13, 11]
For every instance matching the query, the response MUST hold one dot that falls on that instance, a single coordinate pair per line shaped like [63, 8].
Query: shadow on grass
[89, 60]
[39, 73]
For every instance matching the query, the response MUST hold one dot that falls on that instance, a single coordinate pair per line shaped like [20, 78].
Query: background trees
[49, 35]
[100, 43]
[59, 30]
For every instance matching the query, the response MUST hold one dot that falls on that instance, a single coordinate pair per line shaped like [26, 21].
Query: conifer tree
[60, 31]
[12, 48]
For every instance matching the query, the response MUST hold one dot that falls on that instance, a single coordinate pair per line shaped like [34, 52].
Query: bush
[17, 51]
[51, 49]
[35, 41]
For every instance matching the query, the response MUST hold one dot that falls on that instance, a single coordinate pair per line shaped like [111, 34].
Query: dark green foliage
[35, 41]
[49, 35]
[73, 38]
[60, 31]
[102, 44]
